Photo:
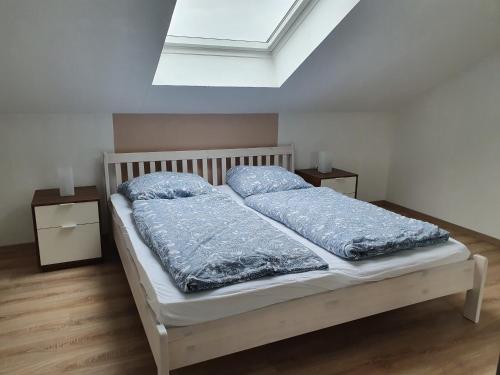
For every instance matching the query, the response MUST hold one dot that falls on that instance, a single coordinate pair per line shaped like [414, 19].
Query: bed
[184, 329]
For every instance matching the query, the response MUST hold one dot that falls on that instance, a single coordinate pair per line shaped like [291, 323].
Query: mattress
[175, 308]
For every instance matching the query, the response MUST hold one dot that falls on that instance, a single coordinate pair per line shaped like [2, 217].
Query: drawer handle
[68, 226]
[66, 204]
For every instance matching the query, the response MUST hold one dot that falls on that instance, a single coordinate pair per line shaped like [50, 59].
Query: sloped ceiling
[100, 57]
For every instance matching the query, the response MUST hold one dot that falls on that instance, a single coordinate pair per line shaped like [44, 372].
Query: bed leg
[474, 297]
[163, 364]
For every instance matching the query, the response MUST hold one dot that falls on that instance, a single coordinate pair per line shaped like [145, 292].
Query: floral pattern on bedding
[165, 185]
[347, 227]
[210, 241]
[250, 180]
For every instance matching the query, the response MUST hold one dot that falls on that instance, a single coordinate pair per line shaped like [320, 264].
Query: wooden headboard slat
[114, 162]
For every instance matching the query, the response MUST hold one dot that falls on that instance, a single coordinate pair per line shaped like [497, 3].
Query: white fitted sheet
[175, 308]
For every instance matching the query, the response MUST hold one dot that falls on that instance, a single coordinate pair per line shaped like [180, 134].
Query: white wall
[446, 159]
[31, 148]
[359, 142]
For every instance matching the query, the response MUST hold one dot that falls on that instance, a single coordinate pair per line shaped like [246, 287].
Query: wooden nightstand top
[335, 173]
[51, 196]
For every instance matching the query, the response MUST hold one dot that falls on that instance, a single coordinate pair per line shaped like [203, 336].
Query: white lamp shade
[324, 162]
[66, 181]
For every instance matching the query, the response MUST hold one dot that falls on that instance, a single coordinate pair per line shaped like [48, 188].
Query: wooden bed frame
[177, 347]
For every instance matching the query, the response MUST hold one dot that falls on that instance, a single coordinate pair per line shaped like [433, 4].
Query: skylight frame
[181, 42]
[218, 66]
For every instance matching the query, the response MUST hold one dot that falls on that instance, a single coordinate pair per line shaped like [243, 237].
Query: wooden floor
[84, 321]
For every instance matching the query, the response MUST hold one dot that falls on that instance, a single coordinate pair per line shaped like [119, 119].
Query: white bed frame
[182, 346]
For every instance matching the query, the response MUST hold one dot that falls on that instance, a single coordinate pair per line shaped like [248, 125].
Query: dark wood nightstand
[342, 181]
[67, 229]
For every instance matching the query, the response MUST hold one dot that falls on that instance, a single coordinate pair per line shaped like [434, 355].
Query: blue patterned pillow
[248, 181]
[165, 185]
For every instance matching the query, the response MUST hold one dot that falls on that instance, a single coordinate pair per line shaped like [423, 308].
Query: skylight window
[236, 20]
[244, 43]
[240, 24]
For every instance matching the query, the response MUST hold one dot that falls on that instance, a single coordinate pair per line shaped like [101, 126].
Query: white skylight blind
[229, 20]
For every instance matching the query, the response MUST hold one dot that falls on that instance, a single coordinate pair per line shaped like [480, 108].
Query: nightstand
[342, 181]
[67, 229]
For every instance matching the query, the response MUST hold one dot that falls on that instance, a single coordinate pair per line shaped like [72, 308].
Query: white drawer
[59, 245]
[352, 195]
[65, 214]
[346, 185]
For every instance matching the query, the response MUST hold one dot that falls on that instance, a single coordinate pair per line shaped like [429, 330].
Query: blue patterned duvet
[209, 241]
[346, 227]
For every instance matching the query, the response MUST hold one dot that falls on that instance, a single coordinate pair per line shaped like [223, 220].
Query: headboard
[210, 164]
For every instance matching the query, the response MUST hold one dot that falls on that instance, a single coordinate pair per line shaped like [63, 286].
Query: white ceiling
[100, 56]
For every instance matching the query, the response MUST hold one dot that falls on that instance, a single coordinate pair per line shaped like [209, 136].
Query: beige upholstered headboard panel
[174, 132]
